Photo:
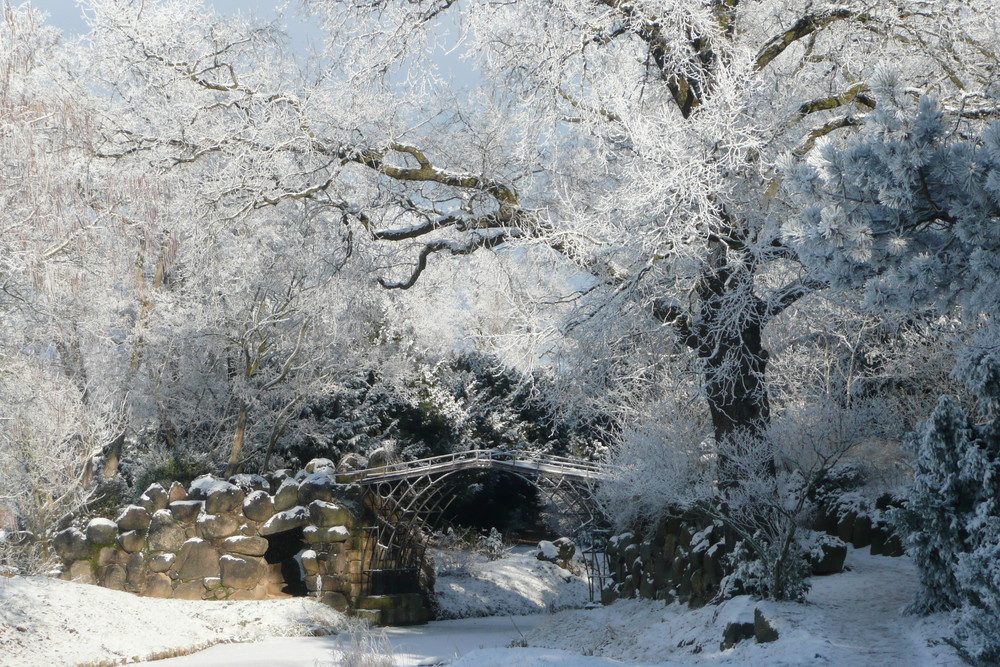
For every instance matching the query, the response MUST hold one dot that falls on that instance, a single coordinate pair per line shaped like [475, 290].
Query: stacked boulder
[210, 541]
[681, 559]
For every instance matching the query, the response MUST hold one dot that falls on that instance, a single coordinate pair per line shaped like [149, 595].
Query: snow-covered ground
[468, 584]
[52, 623]
[437, 643]
[850, 620]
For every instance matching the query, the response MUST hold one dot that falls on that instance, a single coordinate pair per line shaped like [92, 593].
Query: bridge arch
[403, 497]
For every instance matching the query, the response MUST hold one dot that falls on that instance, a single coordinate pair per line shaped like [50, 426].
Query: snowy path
[857, 616]
[850, 620]
[430, 644]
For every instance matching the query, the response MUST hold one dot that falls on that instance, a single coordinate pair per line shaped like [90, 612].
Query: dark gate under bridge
[404, 496]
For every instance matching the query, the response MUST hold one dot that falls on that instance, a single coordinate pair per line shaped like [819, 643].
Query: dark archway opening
[494, 499]
[282, 557]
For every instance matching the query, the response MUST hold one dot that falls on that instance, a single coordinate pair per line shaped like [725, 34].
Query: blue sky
[65, 14]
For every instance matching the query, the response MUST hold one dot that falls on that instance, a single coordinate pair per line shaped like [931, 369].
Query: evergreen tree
[909, 211]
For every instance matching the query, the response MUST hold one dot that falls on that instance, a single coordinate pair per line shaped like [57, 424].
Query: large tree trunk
[729, 340]
[738, 403]
[236, 453]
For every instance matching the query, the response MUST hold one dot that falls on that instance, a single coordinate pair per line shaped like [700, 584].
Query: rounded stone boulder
[336, 600]
[177, 492]
[154, 498]
[102, 531]
[71, 544]
[114, 577]
[165, 534]
[317, 486]
[158, 585]
[317, 535]
[135, 573]
[81, 572]
[245, 545]
[197, 559]
[216, 526]
[221, 500]
[379, 458]
[319, 464]
[276, 477]
[567, 549]
[131, 541]
[162, 562]
[258, 506]
[189, 590]
[186, 511]
[297, 517]
[827, 555]
[250, 483]
[133, 517]
[106, 555]
[249, 529]
[310, 562]
[219, 495]
[324, 513]
[547, 551]
[241, 572]
[287, 495]
[352, 462]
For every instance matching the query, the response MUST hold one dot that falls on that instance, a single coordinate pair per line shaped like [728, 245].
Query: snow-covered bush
[955, 473]
[364, 647]
[492, 545]
[656, 468]
[767, 514]
[46, 439]
[978, 575]
[767, 569]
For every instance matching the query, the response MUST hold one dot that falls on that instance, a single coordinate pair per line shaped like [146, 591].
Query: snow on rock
[471, 585]
[297, 517]
[49, 622]
[206, 485]
[548, 550]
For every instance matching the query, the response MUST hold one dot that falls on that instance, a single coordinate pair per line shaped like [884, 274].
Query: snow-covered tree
[64, 282]
[634, 139]
[951, 503]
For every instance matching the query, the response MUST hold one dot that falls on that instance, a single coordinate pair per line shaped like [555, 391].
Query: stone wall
[859, 522]
[250, 537]
[682, 558]
[679, 558]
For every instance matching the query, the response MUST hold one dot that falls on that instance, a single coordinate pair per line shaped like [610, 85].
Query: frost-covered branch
[804, 27]
[479, 241]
